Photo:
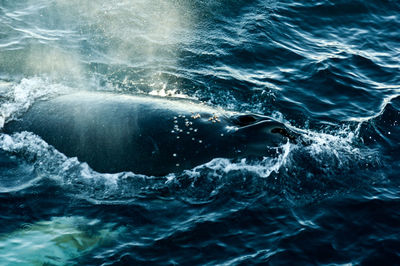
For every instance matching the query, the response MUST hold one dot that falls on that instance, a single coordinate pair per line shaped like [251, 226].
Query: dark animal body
[145, 134]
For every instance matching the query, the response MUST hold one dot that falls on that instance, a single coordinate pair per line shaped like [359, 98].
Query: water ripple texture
[329, 70]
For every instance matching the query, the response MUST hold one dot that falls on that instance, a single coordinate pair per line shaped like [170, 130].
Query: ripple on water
[330, 70]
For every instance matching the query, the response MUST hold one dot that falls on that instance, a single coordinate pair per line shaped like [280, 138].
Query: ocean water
[330, 69]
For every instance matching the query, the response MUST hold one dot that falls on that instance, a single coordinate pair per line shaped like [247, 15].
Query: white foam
[51, 164]
[262, 168]
[20, 96]
[164, 92]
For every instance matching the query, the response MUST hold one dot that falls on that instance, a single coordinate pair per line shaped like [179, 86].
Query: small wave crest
[16, 98]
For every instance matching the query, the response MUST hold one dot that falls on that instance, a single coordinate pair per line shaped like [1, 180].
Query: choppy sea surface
[328, 68]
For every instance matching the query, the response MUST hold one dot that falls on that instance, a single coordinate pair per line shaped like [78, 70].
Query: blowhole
[244, 120]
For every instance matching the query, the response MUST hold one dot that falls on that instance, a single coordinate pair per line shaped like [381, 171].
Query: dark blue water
[331, 69]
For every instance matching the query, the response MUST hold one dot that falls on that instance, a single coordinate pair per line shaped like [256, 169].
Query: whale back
[115, 133]
[146, 135]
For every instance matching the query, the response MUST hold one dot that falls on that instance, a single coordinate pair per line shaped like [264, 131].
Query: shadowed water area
[326, 69]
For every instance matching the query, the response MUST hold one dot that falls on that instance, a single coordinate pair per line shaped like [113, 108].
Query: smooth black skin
[116, 133]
